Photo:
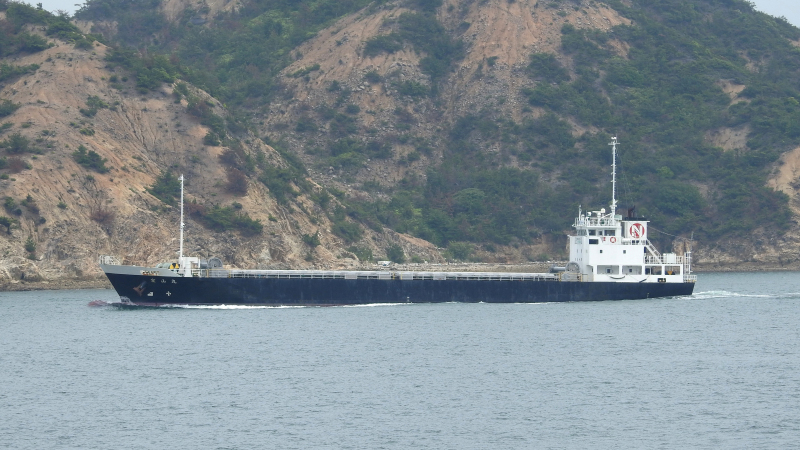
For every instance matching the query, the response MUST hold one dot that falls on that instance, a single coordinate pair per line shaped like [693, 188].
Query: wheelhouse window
[653, 270]
[632, 270]
[608, 270]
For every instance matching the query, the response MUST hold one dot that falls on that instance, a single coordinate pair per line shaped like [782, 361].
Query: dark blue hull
[155, 291]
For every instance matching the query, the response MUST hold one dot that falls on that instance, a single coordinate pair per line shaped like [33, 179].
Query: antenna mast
[180, 251]
[613, 145]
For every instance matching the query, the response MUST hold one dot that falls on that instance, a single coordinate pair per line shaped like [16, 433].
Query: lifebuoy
[613, 239]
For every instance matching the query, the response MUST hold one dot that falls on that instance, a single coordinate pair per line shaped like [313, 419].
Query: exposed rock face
[505, 33]
[499, 35]
[139, 135]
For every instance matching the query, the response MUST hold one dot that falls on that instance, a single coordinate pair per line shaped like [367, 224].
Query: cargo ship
[610, 258]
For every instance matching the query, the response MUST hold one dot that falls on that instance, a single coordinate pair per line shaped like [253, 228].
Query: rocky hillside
[499, 37]
[72, 214]
[492, 77]
[405, 128]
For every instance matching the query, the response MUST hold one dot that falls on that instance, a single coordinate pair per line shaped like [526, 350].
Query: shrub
[395, 253]
[7, 107]
[373, 77]
[305, 123]
[362, 253]
[62, 28]
[279, 182]
[412, 89]
[30, 245]
[150, 71]
[205, 113]
[94, 104]
[7, 222]
[16, 144]
[343, 125]
[304, 71]
[545, 66]
[388, 43]
[90, 160]
[311, 240]
[226, 218]
[30, 203]
[379, 149]
[84, 43]
[17, 165]
[166, 188]
[237, 182]
[31, 43]
[323, 199]
[229, 157]
[349, 231]
[211, 139]
[8, 71]
[181, 88]
[103, 216]
[460, 251]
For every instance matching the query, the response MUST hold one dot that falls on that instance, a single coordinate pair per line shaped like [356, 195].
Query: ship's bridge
[608, 247]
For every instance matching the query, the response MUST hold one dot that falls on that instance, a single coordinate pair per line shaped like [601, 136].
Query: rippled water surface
[719, 369]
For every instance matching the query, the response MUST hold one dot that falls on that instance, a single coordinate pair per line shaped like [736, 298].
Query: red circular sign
[636, 231]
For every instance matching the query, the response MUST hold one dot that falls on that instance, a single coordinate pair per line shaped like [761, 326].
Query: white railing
[651, 248]
[109, 260]
[596, 222]
[690, 278]
[670, 261]
[360, 275]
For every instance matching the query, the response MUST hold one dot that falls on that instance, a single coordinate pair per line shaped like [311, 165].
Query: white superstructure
[608, 247]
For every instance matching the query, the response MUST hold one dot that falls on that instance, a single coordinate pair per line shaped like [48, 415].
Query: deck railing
[668, 260]
[365, 275]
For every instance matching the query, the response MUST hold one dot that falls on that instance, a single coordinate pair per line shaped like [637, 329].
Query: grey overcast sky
[788, 8]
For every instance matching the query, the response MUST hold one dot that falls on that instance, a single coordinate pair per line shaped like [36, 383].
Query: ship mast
[180, 251]
[613, 145]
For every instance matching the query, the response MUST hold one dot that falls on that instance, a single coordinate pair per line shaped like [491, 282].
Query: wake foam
[729, 294]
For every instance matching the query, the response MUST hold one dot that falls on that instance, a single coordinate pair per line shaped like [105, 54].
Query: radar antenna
[613, 145]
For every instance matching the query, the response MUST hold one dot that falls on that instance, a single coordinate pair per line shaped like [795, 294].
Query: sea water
[719, 369]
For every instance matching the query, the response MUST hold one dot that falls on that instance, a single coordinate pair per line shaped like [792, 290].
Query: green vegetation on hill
[15, 39]
[424, 32]
[237, 58]
[662, 99]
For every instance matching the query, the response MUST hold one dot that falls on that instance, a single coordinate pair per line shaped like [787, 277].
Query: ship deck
[374, 275]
